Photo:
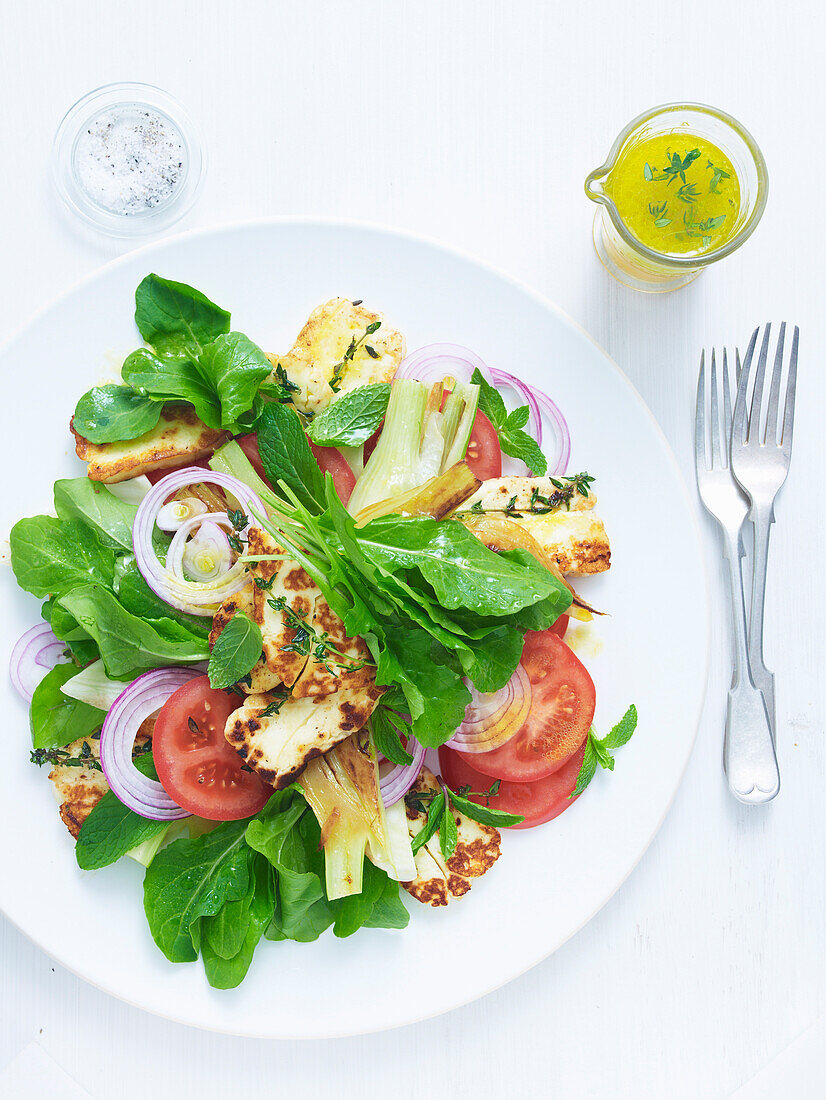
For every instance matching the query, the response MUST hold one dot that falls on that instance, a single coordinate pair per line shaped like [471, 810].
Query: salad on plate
[303, 639]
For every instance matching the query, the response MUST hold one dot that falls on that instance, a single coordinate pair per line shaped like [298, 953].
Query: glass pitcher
[627, 258]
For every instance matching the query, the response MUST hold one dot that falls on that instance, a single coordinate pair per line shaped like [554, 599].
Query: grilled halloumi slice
[570, 532]
[179, 436]
[439, 881]
[77, 787]
[516, 494]
[281, 744]
[322, 344]
[338, 669]
[278, 579]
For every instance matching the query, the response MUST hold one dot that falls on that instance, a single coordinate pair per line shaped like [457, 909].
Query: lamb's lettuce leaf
[112, 413]
[51, 556]
[175, 319]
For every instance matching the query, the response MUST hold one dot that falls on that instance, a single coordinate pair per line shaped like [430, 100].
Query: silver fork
[748, 750]
[760, 463]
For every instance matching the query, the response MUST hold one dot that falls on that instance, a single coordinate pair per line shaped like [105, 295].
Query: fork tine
[727, 404]
[791, 383]
[700, 456]
[774, 392]
[738, 366]
[738, 428]
[757, 394]
[716, 456]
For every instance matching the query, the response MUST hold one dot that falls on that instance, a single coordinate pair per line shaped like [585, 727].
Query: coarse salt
[130, 160]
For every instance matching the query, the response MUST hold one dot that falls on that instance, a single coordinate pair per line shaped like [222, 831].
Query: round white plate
[549, 881]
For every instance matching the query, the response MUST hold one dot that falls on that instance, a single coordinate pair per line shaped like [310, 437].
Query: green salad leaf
[175, 319]
[172, 380]
[513, 440]
[112, 829]
[286, 455]
[352, 419]
[137, 597]
[56, 719]
[130, 645]
[112, 413]
[50, 556]
[237, 649]
[91, 502]
[235, 367]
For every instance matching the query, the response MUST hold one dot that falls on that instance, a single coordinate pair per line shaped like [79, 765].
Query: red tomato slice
[328, 459]
[560, 626]
[484, 455]
[156, 475]
[195, 764]
[562, 710]
[537, 802]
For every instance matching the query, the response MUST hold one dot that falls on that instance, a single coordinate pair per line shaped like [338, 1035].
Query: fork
[748, 749]
[760, 462]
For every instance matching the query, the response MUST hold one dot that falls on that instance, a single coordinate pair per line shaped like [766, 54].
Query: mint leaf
[518, 418]
[386, 735]
[448, 832]
[588, 768]
[286, 455]
[485, 815]
[512, 439]
[519, 444]
[111, 413]
[352, 419]
[622, 731]
[491, 401]
[434, 817]
[237, 649]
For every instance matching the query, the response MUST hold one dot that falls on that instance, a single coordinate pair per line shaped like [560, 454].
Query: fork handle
[748, 749]
[762, 520]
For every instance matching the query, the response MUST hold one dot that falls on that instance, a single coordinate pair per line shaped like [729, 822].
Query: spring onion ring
[142, 698]
[195, 597]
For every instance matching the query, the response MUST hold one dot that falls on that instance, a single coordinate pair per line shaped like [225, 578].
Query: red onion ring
[134, 705]
[398, 782]
[35, 653]
[191, 596]
[436, 361]
[493, 719]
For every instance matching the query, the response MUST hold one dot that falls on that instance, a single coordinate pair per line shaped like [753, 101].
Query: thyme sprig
[349, 355]
[308, 642]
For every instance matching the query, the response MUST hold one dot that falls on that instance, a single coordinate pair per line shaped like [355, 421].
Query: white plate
[549, 881]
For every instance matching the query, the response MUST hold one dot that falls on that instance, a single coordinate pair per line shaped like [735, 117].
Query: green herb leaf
[587, 769]
[512, 440]
[352, 419]
[434, 819]
[622, 731]
[177, 320]
[50, 556]
[600, 752]
[128, 644]
[485, 815]
[237, 650]
[111, 829]
[385, 727]
[111, 413]
[286, 455]
[448, 832]
[649, 175]
[56, 719]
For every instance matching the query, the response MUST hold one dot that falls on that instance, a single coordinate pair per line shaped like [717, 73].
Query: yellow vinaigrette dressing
[677, 194]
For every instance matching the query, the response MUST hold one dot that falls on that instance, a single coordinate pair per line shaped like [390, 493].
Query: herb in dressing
[677, 194]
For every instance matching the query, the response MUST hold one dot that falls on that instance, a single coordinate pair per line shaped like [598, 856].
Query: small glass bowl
[88, 110]
[628, 259]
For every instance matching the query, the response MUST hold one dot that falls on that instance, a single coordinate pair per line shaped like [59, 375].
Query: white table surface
[475, 123]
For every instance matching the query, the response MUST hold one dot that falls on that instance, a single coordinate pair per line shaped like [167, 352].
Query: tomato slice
[329, 460]
[484, 455]
[195, 764]
[562, 710]
[560, 627]
[537, 802]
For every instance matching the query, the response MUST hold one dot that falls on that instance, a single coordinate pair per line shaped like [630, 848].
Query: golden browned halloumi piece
[280, 579]
[280, 745]
[323, 677]
[514, 494]
[439, 881]
[178, 436]
[322, 344]
[577, 540]
[79, 788]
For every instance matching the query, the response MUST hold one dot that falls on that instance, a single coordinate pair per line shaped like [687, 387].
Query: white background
[476, 123]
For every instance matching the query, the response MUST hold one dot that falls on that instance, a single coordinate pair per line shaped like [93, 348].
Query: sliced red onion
[142, 698]
[35, 653]
[175, 512]
[493, 718]
[436, 361]
[195, 597]
[398, 782]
